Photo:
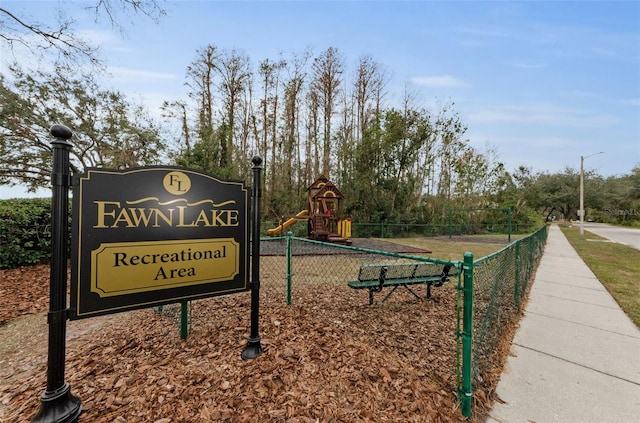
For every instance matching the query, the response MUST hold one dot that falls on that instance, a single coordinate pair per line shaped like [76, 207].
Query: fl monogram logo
[176, 183]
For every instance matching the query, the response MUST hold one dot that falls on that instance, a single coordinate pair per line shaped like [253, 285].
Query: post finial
[61, 131]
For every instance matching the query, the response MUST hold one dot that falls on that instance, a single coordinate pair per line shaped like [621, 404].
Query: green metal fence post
[467, 336]
[289, 266]
[509, 222]
[516, 294]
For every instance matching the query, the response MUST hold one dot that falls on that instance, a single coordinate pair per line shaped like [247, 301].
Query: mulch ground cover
[329, 357]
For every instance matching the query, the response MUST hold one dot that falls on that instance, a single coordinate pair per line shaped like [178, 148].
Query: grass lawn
[617, 266]
[445, 249]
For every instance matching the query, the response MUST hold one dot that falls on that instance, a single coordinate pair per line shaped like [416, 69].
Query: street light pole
[582, 189]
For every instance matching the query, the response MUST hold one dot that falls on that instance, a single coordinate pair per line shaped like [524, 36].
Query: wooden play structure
[323, 213]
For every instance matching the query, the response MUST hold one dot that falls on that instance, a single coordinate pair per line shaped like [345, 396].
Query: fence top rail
[399, 224]
[457, 263]
[508, 246]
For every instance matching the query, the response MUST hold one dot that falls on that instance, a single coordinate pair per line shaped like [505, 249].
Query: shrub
[25, 231]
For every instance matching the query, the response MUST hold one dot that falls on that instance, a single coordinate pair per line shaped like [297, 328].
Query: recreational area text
[132, 267]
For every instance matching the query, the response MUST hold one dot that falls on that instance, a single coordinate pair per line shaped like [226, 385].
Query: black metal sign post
[253, 348]
[196, 230]
[57, 404]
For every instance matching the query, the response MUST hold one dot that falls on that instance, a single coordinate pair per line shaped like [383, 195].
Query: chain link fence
[405, 230]
[402, 230]
[500, 282]
[315, 274]
[296, 270]
[313, 277]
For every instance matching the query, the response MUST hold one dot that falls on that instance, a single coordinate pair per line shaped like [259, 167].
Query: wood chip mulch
[329, 357]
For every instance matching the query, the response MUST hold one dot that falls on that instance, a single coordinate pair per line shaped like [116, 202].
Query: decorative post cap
[257, 160]
[61, 131]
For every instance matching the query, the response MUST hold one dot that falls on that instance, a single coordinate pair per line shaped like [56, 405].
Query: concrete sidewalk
[576, 355]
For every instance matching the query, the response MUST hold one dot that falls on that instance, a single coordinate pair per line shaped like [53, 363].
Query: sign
[155, 235]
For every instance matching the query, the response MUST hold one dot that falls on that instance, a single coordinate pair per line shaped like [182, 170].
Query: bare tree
[327, 73]
[178, 110]
[234, 73]
[247, 135]
[292, 110]
[60, 38]
[344, 136]
[370, 84]
[312, 169]
[270, 76]
[205, 152]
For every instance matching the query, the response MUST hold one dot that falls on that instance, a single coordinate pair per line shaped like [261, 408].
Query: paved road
[622, 235]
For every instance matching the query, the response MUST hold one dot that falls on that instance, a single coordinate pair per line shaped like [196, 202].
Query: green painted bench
[375, 277]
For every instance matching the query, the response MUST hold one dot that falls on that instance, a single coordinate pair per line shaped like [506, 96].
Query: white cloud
[486, 31]
[600, 51]
[97, 37]
[509, 141]
[543, 114]
[121, 74]
[20, 191]
[581, 94]
[523, 64]
[631, 102]
[446, 81]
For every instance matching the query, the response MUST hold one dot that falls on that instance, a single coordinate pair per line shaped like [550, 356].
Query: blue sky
[541, 82]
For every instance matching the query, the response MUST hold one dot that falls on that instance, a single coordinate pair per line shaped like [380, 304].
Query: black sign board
[155, 235]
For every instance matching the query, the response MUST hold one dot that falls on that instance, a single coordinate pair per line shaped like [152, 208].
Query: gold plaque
[131, 267]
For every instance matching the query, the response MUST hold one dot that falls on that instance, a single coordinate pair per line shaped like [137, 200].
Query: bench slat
[401, 274]
[393, 282]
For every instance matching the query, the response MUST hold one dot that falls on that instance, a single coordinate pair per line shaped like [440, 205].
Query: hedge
[25, 231]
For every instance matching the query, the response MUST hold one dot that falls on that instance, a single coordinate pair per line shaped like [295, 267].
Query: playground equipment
[323, 214]
[280, 229]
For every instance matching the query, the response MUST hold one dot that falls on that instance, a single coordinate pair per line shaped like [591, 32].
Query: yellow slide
[288, 223]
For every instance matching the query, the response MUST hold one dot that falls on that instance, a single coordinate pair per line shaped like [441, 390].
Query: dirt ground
[330, 357]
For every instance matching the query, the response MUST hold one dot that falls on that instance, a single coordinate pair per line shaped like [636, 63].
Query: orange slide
[288, 223]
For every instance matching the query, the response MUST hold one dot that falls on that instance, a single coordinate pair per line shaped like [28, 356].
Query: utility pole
[581, 212]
